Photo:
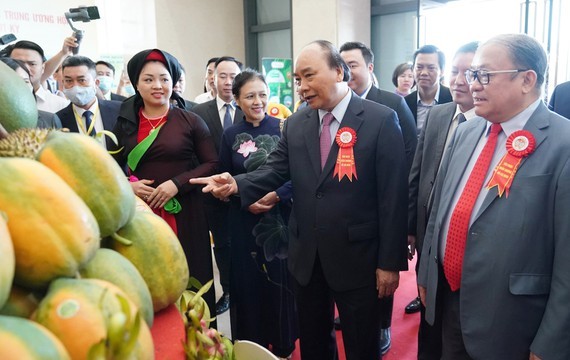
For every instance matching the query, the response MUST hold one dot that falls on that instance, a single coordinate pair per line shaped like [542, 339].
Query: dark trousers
[358, 311]
[217, 213]
[386, 306]
[453, 347]
[429, 336]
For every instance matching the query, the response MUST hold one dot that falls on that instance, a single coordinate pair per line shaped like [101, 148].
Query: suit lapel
[67, 118]
[215, 116]
[311, 133]
[442, 135]
[106, 117]
[535, 124]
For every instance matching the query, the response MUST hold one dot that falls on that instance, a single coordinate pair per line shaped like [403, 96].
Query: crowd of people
[322, 208]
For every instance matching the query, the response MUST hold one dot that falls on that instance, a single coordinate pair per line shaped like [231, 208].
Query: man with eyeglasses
[438, 130]
[496, 246]
[429, 63]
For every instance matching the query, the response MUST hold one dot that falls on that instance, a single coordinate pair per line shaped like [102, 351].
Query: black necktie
[460, 118]
[88, 121]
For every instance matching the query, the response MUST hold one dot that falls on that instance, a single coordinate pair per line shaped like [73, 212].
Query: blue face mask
[105, 83]
[129, 89]
[80, 95]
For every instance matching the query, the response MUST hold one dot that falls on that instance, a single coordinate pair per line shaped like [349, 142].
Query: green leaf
[240, 139]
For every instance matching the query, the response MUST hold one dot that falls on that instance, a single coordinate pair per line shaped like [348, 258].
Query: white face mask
[105, 83]
[129, 89]
[80, 95]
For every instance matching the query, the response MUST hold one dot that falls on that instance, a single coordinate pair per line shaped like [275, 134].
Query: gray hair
[525, 52]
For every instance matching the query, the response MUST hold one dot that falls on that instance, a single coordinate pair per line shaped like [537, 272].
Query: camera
[84, 14]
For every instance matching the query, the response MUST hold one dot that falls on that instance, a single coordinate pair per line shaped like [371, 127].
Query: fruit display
[62, 197]
[150, 240]
[25, 339]
[17, 102]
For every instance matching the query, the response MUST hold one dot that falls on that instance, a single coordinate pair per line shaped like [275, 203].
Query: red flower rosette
[345, 164]
[519, 145]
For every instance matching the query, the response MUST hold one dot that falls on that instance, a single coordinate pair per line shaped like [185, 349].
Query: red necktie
[325, 140]
[459, 223]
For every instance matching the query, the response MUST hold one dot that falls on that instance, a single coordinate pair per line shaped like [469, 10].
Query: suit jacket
[117, 97]
[412, 100]
[209, 112]
[425, 167]
[560, 100]
[405, 117]
[109, 111]
[516, 274]
[354, 226]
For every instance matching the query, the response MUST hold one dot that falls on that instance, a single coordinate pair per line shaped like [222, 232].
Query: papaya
[53, 231]
[21, 303]
[8, 263]
[157, 254]
[23, 339]
[93, 174]
[18, 107]
[141, 205]
[94, 319]
[113, 267]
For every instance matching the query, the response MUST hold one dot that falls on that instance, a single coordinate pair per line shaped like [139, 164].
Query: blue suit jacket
[560, 100]
[515, 283]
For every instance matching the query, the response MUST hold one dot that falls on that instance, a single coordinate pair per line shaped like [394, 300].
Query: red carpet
[404, 326]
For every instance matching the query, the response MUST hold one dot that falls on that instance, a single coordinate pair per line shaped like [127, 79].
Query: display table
[168, 334]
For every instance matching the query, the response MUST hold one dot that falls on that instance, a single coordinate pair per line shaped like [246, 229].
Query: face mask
[105, 83]
[80, 95]
[130, 90]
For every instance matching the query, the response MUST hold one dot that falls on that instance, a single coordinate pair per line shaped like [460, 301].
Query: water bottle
[78, 34]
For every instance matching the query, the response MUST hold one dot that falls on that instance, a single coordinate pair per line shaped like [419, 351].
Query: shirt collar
[365, 94]
[93, 108]
[41, 93]
[435, 99]
[340, 108]
[469, 114]
[221, 103]
[518, 121]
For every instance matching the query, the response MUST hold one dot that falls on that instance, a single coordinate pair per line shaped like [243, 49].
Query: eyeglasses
[484, 75]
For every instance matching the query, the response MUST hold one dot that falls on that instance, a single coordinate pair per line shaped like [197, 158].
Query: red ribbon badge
[520, 144]
[345, 165]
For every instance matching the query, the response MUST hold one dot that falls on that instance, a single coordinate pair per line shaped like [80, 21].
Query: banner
[279, 77]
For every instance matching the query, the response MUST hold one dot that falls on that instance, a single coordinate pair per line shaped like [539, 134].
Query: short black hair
[109, 65]
[367, 54]
[244, 77]
[211, 60]
[78, 60]
[14, 64]
[333, 58]
[399, 70]
[470, 47]
[229, 58]
[24, 44]
[431, 49]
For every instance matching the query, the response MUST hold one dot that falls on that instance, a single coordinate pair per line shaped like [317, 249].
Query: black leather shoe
[413, 306]
[223, 304]
[337, 323]
[385, 340]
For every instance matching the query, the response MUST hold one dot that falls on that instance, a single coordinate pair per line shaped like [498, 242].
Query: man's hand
[69, 43]
[422, 291]
[411, 246]
[264, 204]
[386, 282]
[533, 357]
[221, 186]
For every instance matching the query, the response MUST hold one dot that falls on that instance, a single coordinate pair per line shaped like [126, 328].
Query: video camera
[84, 14]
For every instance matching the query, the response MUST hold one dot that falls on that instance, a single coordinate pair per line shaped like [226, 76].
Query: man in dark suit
[429, 64]
[438, 130]
[347, 240]
[86, 114]
[180, 87]
[105, 80]
[360, 60]
[560, 100]
[495, 252]
[219, 114]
